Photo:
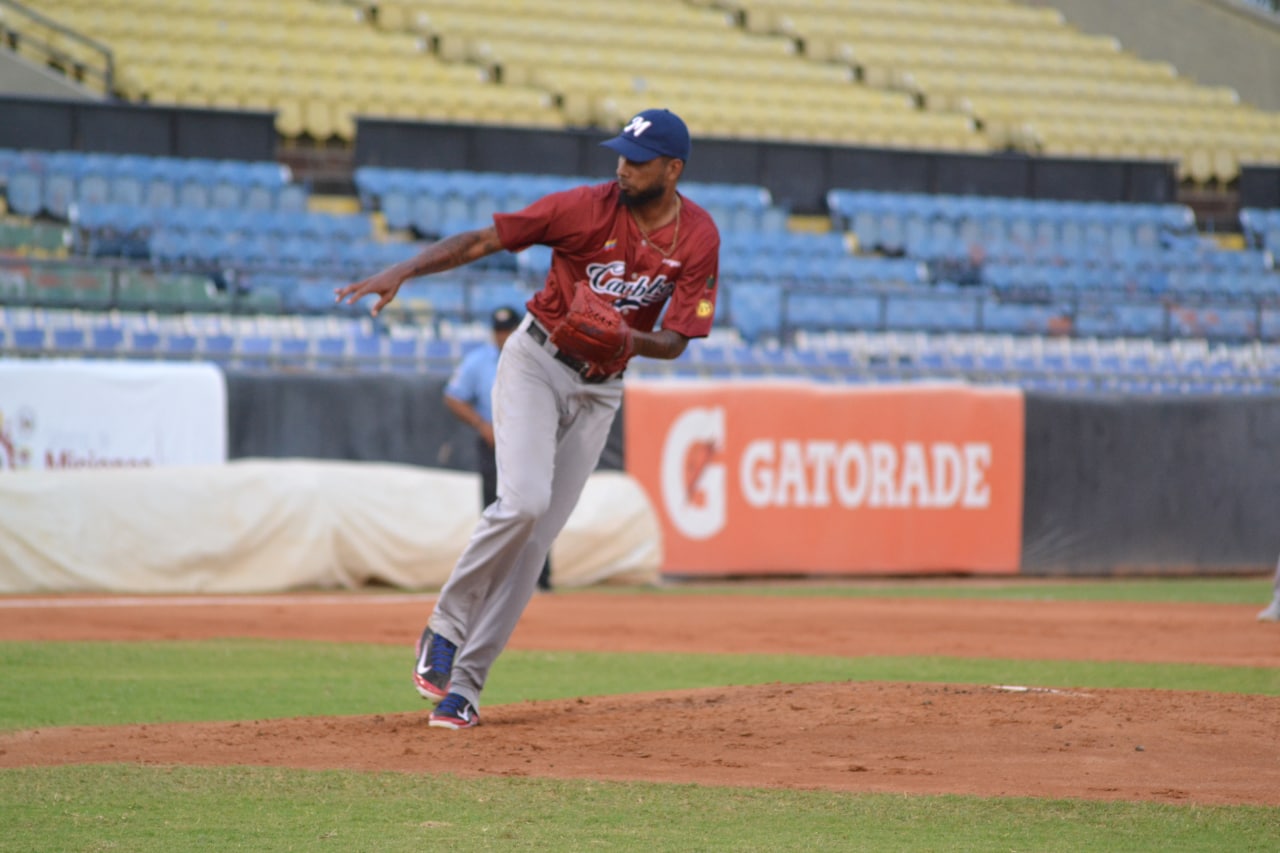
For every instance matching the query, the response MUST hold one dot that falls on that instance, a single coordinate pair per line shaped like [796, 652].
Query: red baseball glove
[594, 331]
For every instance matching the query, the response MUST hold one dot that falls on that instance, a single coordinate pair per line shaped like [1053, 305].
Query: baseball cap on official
[504, 319]
[652, 133]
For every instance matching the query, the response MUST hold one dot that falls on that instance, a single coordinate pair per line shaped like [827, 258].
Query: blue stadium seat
[1140, 320]
[159, 193]
[809, 311]
[397, 210]
[218, 347]
[193, 194]
[258, 198]
[1022, 318]
[755, 308]
[170, 247]
[291, 198]
[142, 341]
[331, 350]
[254, 351]
[427, 214]
[1270, 330]
[445, 295]
[1213, 322]
[58, 193]
[367, 350]
[225, 195]
[93, 188]
[929, 314]
[106, 339]
[534, 262]
[69, 339]
[774, 220]
[403, 353]
[489, 296]
[126, 190]
[24, 193]
[293, 349]
[253, 250]
[312, 295]
[179, 343]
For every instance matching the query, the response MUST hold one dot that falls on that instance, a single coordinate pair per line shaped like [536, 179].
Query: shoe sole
[427, 690]
[446, 723]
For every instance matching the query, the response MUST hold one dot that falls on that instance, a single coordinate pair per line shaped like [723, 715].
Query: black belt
[582, 368]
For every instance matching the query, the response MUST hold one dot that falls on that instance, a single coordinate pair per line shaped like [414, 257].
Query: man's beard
[635, 199]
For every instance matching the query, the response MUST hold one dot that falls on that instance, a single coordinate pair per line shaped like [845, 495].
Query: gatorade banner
[58, 414]
[799, 478]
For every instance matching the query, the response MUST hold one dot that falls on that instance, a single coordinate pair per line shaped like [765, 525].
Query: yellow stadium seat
[289, 118]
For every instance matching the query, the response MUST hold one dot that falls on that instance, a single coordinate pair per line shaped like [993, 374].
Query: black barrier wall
[371, 418]
[1121, 485]
[1151, 485]
[118, 128]
[797, 176]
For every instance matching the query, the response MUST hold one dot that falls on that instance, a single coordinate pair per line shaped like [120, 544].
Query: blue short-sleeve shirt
[472, 380]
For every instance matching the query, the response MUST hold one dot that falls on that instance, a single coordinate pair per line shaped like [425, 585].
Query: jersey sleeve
[553, 220]
[693, 303]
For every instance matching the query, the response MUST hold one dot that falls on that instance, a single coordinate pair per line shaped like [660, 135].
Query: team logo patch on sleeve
[705, 308]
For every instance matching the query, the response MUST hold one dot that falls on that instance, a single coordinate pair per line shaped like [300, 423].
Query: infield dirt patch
[910, 738]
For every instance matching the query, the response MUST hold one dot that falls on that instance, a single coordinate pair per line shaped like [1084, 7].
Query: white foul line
[215, 600]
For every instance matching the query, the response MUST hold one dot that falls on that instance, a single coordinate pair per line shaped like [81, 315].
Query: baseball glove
[594, 330]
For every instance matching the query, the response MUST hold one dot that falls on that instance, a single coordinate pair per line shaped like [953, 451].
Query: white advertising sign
[71, 414]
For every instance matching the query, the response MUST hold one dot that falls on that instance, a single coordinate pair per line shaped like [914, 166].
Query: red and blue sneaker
[433, 665]
[454, 712]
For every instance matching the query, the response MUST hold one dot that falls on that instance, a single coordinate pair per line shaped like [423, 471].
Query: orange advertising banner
[797, 478]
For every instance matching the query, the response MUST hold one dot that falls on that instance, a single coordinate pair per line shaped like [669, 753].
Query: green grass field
[132, 808]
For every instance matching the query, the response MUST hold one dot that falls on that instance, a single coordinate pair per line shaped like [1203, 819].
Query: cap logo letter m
[637, 126]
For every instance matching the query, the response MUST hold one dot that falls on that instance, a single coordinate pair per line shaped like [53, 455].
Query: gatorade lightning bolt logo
[693, 480]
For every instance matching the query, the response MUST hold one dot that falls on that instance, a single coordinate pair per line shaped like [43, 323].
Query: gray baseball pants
[550, 427]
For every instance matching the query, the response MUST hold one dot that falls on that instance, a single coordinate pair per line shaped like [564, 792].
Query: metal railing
[21, 26]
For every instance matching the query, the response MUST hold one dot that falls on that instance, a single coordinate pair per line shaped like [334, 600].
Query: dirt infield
[910, 738]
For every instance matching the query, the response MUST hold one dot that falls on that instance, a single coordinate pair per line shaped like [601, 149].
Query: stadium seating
[1031, 81]
[891, 261]
[227, 262]
[317, 64]
[723, 80]
[980, 76]
[1121, 364]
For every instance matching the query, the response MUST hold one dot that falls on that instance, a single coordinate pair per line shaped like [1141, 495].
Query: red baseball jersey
[595, 239]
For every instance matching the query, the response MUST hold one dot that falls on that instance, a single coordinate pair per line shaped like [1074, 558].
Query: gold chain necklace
[675, 234]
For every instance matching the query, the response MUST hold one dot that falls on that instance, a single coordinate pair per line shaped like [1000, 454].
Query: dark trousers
[487, 465]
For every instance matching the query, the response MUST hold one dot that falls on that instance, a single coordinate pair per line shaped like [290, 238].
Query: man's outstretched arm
[445, 254]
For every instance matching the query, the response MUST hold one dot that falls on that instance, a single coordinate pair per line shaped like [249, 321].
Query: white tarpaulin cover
[270, 525]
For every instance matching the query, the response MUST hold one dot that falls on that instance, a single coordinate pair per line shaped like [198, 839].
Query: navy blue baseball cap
[504, 319]
[652, 133]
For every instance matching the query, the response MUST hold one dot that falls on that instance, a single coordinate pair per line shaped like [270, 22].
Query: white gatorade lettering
[821, 456]
[947, 467]
[756, 473]
[977, 459]
[855, 474]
